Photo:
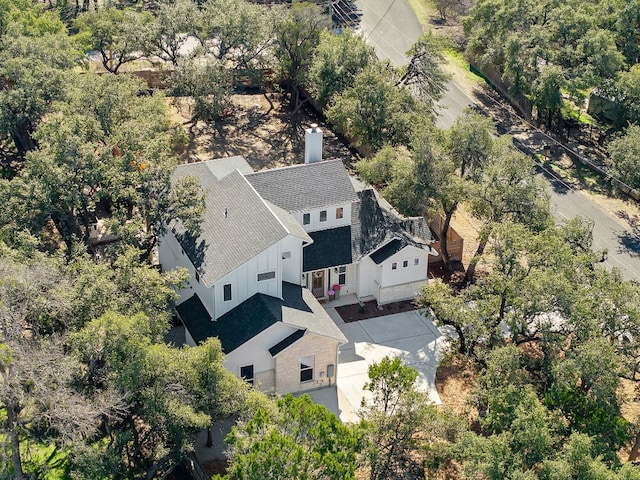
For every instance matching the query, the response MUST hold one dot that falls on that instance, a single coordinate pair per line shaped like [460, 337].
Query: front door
[317, 283]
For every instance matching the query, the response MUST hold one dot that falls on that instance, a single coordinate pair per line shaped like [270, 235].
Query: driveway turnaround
[409, 335]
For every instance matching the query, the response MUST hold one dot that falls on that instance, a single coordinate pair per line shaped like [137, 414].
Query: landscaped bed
[356, 312]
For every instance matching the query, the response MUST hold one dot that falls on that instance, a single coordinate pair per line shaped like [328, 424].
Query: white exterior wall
[331, 222]
[368, 277]
[171, 255]
[256, 352]
[244, 280]
[188, 339]
[292, 267]
[402, 274]
[349, 286]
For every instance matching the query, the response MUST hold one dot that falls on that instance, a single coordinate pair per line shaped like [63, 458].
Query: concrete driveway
[409, 335]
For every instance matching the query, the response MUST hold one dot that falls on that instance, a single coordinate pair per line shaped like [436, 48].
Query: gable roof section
[319, 322]
[330, 248]
[237, 224]
[298, 308]
[287, 342]
[290, 223]
[221, 167]
[195, 317]
[375, 224]
[387, 250]
[306, 186]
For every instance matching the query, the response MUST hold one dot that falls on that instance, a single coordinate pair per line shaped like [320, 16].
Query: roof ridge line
[266, 204]
[295, 165]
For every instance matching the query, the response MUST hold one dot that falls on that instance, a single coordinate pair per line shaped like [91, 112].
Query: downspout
[213, 308]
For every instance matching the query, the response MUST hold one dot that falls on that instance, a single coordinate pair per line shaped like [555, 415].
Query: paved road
[391, 27]
[623, 245]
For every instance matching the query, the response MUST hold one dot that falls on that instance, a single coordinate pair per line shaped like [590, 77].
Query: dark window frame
[247, 373]
[342, 275]
[306, 371]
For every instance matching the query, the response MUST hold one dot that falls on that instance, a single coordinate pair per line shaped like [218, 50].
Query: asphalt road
[623, 245]
[392, 27]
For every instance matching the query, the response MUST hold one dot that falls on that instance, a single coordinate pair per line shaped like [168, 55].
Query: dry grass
[455, 380]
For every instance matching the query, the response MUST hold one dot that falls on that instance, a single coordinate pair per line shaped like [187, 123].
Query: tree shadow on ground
[265, 138]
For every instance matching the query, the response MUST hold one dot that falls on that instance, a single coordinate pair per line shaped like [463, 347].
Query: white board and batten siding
[368, 277]
[172, 255]
[404, 274]
[244, 280]
[291, 256]
[331, 222]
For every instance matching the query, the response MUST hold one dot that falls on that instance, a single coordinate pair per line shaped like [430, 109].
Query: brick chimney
[313, 144]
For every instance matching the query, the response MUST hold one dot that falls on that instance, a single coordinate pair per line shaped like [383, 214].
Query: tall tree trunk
[21, 136]
[209, 435]
[444, 233]
[471, 269]
[12, 428]
[265, 94]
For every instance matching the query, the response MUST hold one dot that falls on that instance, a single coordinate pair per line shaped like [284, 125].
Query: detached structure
[272, 244]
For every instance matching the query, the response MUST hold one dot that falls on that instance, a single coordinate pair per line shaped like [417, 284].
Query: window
[339, 212]
[342, 275]
[306, 218]
[266, 276]
[246, 373]
[306, 368]
[227, 292]
[323, 215]
[405, 263]
[394, 266]
[416, 262]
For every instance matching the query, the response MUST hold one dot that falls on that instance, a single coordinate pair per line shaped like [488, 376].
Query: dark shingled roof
[384, 252]
[256, 315]
[330, 248]
[375, 224]
[195, 317]
[306, 186]
[290, 340]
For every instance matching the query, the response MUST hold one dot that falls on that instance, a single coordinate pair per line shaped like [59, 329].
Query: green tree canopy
[624, 156]
[300, 440]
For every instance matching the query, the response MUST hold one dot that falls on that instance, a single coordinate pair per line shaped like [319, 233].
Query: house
[358, 241]
[272, 244]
